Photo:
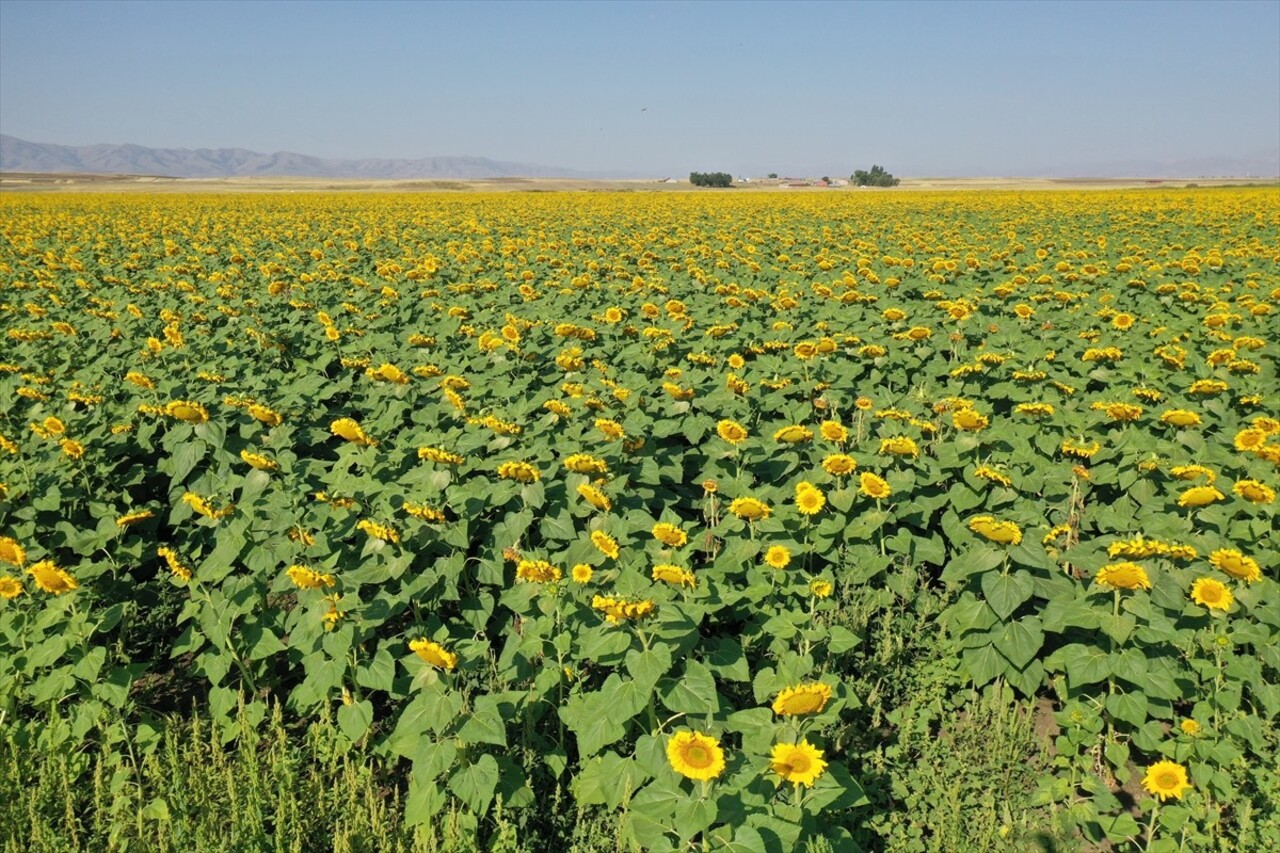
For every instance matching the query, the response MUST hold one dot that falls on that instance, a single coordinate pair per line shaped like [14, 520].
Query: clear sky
[922, 88]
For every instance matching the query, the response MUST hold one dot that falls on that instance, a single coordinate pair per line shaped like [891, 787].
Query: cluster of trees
[877, 177]
[711, 179]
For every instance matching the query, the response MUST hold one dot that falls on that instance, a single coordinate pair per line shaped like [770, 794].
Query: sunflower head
[801, 763]
[1166, 779]
[802, 699]
[695, 755]
[1213, 594]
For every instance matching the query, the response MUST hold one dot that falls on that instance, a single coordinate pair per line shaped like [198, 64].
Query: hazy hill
[18, 155]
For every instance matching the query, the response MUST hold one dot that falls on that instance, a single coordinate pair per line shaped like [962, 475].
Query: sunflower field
[616, 494]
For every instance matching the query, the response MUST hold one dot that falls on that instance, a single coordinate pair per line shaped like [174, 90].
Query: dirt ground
[31, 182]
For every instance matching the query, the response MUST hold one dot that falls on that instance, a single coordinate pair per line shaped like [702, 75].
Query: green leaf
[474, 783]
[1006, 592]
[694, 692]
[1020, 641]
[355, 719]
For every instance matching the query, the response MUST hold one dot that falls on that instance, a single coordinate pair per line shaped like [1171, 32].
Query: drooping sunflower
[1180, 418]
[669, 535]
[434, 654]
[265, 414]
[873, 486]
[794, 434]
[611, 430]
[1213, 594]
[899, 445]
[834, 431]
[1254, 491]
[1236, 564]
[519, 471]
[969, 420]
[257, 460]
[750, 509]
[839, 464]
[304, 577]
[187, 411]
[1124, 575]
[695, 755]
[585, 463]
[538, 571]
[595, 497]
[134, 517]
[52, 579]
[800, 763]
[1166, 779]
[1198, 496]
[1000, 532]
[605, 544]
[351, 430]
[674, 575]
[802, 699]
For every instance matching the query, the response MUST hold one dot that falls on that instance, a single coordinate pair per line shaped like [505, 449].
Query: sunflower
[1249, 440]
[1212, 594]
[134, 517]
[538, 571]
[1125, 575]
[750, 509]
[434, 654]
[899, 445]
[969, 420]
[1001, 532]
[802, 699]
[176, 566]
[778, 556]
[257, 460]
[801, 763]
[11, 552]
[874, 486]
[188, 411]
[1190, 727]
[669, 535]
[202, 506]
[1193, 472]
[52, 579]
[301, 576]
[612, 430]
[1254, 491]
[695, 755]
[1166, 779]
[351, 430]
[821, 588]
[839, 464]
[1180, 418]
[1236, 564]
[595, 497]
[834, 431]
[1198, 496]
[266, 415]
[439, 455]
[521, 472]
[674, 575]
[10, 587]
[605, 544]
[985, 472]
[617, 610]
[585, 463]
[582, 573]
[809, 499]
[793, 434]
[732, 432]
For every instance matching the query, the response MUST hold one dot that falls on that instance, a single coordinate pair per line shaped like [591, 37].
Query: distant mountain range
[18, 155]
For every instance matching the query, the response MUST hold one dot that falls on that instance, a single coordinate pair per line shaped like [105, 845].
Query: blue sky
[922, 88]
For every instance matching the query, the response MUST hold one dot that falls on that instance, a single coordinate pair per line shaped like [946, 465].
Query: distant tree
[877, 177]
[825, 179]
[711, 179]
[773, 176]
